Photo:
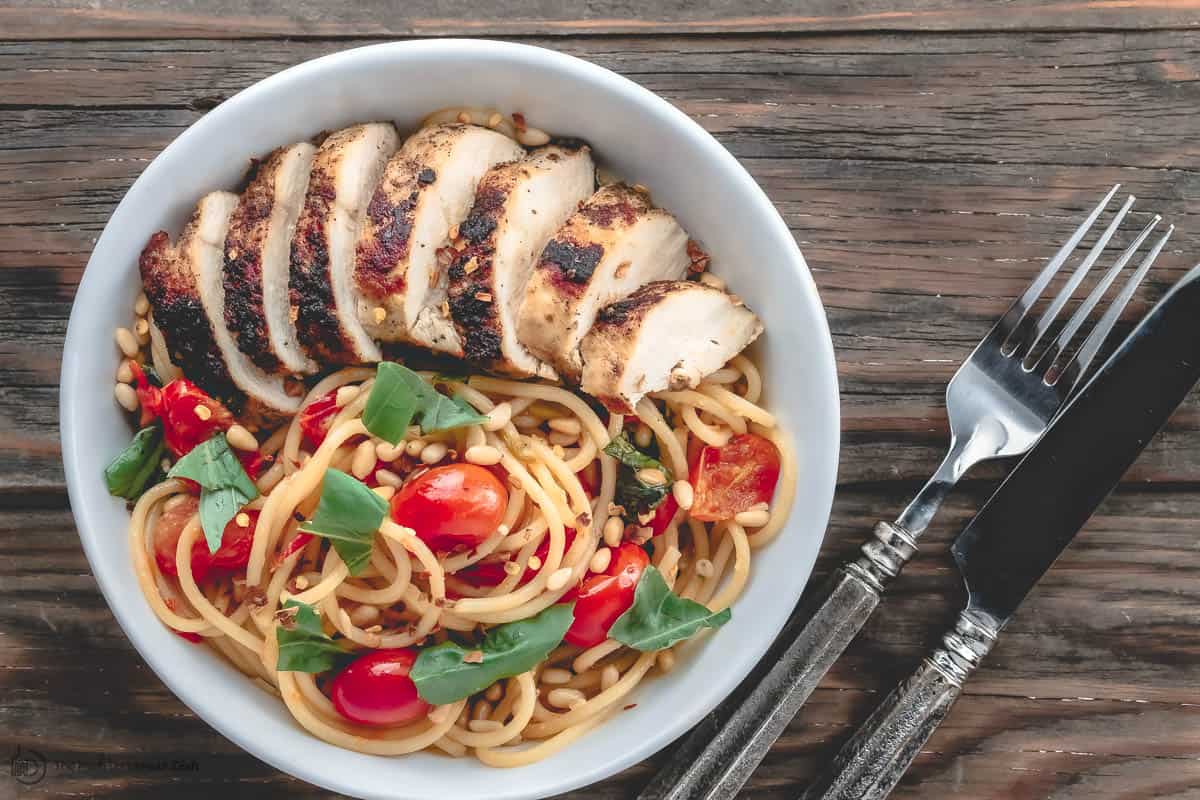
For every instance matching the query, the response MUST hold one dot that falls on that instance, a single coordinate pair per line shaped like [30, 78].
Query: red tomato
[603, 598]
[734, 477]
[233, 554]
[454, 507]
[664, 512]
[317, 416]
[176, 405]
[375, 689]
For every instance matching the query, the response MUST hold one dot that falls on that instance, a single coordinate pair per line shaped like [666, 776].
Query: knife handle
[870, 765]
[716, 760]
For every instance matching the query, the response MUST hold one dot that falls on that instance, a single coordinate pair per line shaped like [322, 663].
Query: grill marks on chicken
[426, 191]
[518, 207]
[616, 242]
[345, 171]
[257, 256]
[666, 335]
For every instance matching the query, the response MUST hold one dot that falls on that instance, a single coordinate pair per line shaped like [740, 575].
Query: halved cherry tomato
[454, 507]
[603, 598]
[375, 689]
[664, 512]
[176, 405]
[233, 553]
[317, 416]
[732, 478]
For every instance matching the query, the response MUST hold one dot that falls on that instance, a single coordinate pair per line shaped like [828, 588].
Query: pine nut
[535, 563]
[565, 698]
[559, 579]
[559, 439]
[609, 677]
[388, 478]
[141, 305]
[752, 519]
[511, 567]
[241, 439]
[433, 453]
[386, 451]
[685, 495]
[600, 560]
[475, 436]
[533, 137]
[142, 329]
[704, 568]
[203, 412]
[526, 422]
[759, 507]
[482, 710]
[569, 425]
[666, 661]
[242, 519]
[483, 454]
[498, 417]
[363, 461]
[484, 725]
[494, 120]
[124, 372]
[127, 342]
[642, 435]
[364, 615]
[126, 396]
[414, 448]
[386, 492]
[614, 530]
[344, 395]
[494, 693]
[556, 676]
[651, 476]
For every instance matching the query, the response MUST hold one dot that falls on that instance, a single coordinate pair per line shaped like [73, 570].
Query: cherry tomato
[317, 416]
[454, 507]
[375, 689]
[233, 553]
[732, 478]
[176, 405]
[603, 598]
[664, 512]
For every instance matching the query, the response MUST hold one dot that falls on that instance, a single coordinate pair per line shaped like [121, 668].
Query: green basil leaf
[394, 398]
[659, 618]
[128, 473]
[303, 644]
[443, 674]
[632, 494]
[224, 485]
[443, 413]
[349, 514]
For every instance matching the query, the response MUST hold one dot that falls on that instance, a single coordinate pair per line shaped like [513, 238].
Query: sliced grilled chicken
[426, 191]
[518, 207]
[345, 171]
[257, 257]
[666, 335]
[185, 287]
[613, 244]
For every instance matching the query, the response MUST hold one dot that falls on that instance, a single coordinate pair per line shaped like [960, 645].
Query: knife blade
[1025, 526]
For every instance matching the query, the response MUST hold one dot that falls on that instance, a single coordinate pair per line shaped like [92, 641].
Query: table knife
[1024, 527]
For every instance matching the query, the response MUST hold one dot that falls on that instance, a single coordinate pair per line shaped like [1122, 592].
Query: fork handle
[870, 765]
[714, 765]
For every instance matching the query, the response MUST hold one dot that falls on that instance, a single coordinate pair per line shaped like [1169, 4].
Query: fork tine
[1013, 321]
[1064, 294]
[1063, 340]
[1078, 365]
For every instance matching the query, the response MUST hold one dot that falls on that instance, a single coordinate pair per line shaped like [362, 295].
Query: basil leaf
[443, 674]
[224, 485]
[399, 394]
[634, 495]
[348, 514]
[393, 401]
[659, 618]
[127, 474]
[303, 645]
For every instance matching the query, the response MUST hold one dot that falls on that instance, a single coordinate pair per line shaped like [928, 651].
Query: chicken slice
[345, 171]
[426, 191]
[613, 244]
[257, 257]
[666, 335]
[518, 206]
[186, 291]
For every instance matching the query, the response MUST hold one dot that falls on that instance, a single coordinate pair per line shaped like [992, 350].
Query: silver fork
[999, 402]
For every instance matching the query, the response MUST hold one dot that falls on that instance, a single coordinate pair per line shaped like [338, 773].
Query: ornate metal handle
[870, 765]
[715, 764]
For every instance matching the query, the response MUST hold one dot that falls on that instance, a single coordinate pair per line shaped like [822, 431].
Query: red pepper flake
[294, 546]
[631, 705]
[519, 121]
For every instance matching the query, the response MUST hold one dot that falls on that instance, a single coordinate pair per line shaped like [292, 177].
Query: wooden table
[927, 158]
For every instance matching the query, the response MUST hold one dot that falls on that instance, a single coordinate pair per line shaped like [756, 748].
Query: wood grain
[928, 157]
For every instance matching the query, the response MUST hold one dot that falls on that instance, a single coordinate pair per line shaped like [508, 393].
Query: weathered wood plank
[69, 19]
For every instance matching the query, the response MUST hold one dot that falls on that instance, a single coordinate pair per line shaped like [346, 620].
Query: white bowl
[642, 138]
